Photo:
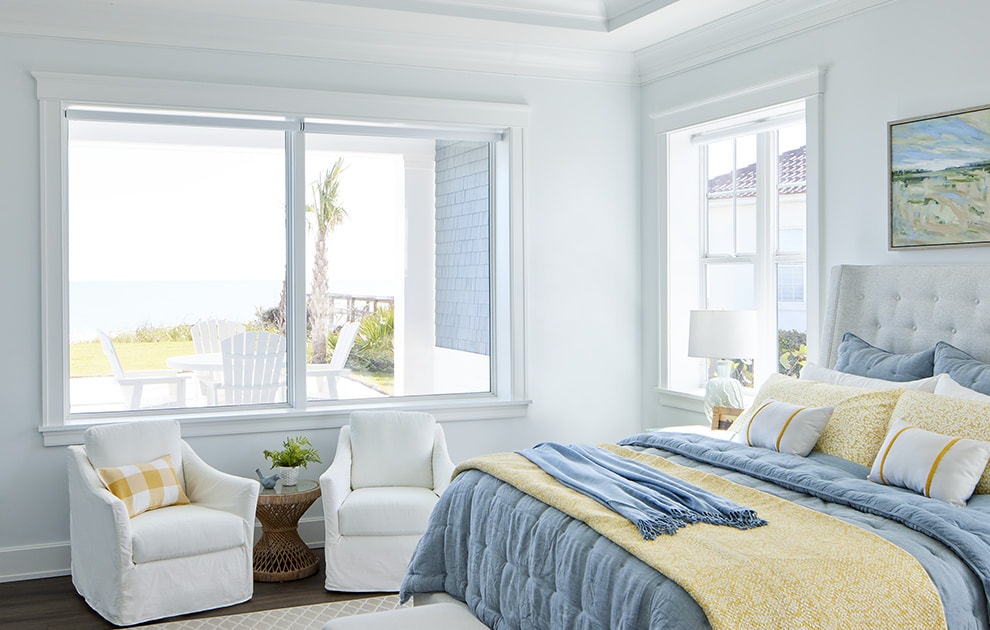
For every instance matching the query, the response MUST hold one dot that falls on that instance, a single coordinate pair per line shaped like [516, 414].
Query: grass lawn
[87, 359]
[383, 382]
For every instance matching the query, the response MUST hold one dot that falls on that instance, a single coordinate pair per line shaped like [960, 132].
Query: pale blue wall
[880, 65]
[34, 522]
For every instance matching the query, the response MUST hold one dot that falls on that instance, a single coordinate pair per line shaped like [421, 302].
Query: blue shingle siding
[462, 235]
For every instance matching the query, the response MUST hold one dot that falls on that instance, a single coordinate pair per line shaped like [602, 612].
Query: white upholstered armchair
[162, 562]
[387, 474]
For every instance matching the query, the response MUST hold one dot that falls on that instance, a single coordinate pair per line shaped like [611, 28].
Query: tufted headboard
[906, 308]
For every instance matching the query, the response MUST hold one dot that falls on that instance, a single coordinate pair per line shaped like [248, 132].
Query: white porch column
[415, 331]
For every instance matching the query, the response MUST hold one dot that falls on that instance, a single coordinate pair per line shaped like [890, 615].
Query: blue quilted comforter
[519, 563]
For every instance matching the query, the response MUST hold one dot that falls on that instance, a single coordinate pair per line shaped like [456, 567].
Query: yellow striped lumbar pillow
[934, 465]
[144, 487]
[784, 427]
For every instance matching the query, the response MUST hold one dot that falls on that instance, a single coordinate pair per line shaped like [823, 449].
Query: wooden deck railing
[345, 307]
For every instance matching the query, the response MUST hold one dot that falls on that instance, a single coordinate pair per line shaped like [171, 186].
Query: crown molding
[162, 27]
[317, 29]
[748, 29]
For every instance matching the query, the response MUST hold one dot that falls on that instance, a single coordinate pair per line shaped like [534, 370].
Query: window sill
[240, 422]
[694, 401]
[688, 401]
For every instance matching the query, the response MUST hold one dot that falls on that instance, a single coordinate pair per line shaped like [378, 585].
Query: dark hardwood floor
[52, 603]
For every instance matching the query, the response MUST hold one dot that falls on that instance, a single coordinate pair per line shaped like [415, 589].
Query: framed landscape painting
[940, 180]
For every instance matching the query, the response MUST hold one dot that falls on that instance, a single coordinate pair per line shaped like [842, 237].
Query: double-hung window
[737, 239]
[754, 217]
[206, 262]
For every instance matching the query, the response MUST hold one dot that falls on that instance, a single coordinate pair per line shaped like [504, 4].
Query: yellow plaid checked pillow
[144, 487]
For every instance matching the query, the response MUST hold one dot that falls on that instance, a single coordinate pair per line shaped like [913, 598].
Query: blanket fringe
[668, 525]
[651, 528]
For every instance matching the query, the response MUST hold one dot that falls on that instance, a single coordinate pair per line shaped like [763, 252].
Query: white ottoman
[429, 617]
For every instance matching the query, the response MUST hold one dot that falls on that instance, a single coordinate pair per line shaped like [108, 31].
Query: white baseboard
[34, 562]
[311, 530]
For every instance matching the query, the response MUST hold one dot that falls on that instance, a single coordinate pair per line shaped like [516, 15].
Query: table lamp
[722, 335]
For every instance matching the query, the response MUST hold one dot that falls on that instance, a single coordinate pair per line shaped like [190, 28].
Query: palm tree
[328, 214]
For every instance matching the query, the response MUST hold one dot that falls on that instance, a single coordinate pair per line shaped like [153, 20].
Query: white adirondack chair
[253, 370]
[133, 383]
[207, 334]
[326, 374]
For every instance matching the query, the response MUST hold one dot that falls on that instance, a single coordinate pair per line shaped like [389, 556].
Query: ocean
[117, 307]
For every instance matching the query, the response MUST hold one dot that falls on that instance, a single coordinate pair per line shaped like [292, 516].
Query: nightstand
[722, 417]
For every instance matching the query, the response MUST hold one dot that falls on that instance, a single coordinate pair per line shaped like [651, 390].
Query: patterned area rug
[298, 618]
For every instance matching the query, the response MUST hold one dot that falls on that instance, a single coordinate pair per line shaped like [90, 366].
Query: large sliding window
[216, 261]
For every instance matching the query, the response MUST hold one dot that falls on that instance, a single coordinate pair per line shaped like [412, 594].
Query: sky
[164, 206]
[160, 211]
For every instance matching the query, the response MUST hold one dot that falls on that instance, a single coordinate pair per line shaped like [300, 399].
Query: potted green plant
[296, 453]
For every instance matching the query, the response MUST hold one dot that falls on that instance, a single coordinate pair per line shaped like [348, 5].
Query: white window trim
[57, 90]
[808, 86]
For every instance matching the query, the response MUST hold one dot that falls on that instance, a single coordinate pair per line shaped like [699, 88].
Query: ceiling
[590, 15]
[617, 24]
[626, 41]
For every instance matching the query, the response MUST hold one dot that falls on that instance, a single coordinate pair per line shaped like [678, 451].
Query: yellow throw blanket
[804, 569]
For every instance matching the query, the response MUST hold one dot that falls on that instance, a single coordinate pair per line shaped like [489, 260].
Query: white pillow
[784, 427]
[392, 448]
[948, 387]
[934, 465]
[124, 443]
[812, 372]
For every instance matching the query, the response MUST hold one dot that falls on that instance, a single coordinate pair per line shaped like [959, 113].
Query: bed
[517, 562]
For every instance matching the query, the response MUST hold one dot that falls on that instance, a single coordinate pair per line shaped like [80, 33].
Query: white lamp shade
[722, 334]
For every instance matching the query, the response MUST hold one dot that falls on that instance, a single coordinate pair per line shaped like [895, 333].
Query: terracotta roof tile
[792, 166]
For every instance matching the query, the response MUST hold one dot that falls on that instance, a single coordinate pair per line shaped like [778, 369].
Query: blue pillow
[858, 357]
[964, 369]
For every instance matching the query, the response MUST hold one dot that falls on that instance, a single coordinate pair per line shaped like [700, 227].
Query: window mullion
[703, 235]
[179, 118]
[766, 272]
[295, 294]
[735, 196]
[730, 259]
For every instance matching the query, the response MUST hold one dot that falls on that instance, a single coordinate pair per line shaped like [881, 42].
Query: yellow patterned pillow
[859, 418]
[948, 416]
[144, 487]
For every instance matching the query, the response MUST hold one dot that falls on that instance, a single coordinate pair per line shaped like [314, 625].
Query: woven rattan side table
[281, 555]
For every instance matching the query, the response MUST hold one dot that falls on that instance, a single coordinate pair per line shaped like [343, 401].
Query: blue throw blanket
[656, 502]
